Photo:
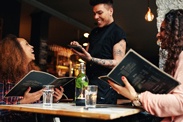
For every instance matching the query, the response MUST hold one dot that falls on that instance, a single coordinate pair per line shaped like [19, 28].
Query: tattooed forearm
[104, 62]
[110, 62]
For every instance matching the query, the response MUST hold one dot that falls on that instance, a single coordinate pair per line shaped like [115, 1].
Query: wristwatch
[136, 102]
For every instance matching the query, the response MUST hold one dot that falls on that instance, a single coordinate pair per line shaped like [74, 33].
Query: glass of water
[48, 91]
[91, 96]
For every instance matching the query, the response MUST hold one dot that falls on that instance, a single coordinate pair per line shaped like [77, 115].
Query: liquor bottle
[80, 86]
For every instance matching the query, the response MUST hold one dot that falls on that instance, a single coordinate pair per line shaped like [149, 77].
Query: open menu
[142, 75]
[36, 80]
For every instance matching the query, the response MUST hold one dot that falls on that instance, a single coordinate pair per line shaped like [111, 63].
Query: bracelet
[136, 101]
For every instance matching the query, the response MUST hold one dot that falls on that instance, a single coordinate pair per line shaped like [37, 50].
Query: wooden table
[102, 112]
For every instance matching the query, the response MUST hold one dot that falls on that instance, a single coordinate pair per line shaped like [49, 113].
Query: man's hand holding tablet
[77, 48]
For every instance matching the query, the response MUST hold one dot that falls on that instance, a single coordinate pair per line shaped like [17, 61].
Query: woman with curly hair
[168, 106]
[16, 60]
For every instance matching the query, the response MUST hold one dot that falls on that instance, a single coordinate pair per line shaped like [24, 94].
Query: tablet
[77, 48]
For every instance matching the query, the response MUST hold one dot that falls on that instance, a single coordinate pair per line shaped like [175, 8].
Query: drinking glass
[91, 96]
[48, 95]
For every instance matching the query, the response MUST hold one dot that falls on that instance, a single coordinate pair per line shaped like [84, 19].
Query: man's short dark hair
[95, 2]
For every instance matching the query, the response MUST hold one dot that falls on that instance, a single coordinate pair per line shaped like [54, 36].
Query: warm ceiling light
[86, 35]
[149, 15]
[85, 44]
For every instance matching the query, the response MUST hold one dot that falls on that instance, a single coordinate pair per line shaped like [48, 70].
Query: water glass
[91, 96]
[48, 95]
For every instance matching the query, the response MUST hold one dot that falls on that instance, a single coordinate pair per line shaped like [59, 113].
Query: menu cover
[142, 75]
[36, 80]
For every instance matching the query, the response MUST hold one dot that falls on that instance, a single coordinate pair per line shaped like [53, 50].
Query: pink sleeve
[165, 105]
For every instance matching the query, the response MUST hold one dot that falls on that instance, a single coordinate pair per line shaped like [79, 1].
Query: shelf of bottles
[67, 63]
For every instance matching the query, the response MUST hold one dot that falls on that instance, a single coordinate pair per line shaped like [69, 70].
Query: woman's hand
[31, 97]
[58, 93]
[84, 55]
[127, 91]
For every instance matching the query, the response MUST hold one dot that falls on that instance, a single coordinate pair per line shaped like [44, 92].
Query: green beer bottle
[80, 86]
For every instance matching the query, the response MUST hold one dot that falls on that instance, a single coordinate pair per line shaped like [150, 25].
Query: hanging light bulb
[86, 35]
[149, 15]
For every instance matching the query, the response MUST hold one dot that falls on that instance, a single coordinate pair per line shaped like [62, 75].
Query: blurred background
[50, 25]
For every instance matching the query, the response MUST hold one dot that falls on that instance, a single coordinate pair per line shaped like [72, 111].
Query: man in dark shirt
[106, 48]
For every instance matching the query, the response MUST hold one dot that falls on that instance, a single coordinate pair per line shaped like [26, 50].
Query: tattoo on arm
[110, 62]
[118, 52]
[106, 62]
[103, 62]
